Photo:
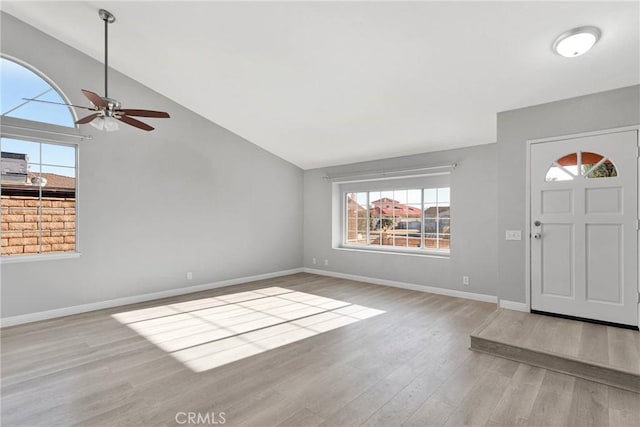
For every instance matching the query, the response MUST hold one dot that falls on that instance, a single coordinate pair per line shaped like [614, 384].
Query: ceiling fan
[108, 111]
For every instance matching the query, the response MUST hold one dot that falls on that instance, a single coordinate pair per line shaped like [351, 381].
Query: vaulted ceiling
[325, 83]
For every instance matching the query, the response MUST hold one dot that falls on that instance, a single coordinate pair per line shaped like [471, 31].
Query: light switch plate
[513, 235]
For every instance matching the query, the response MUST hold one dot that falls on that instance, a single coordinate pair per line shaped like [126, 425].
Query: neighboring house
[433, 212]
[390, 208]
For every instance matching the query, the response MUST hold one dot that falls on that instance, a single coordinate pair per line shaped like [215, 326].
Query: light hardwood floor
[408, 366]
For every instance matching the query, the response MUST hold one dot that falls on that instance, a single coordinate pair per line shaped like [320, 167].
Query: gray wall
[620, 107]
[193, 196]
[473, 218]
[189, 196]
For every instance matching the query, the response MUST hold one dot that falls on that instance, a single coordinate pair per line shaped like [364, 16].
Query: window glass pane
[38, 202]
[374, 199]
[557, 174]
[356, 218]
[414, 196]
[351, 204]
[431, 210]
[388, 195]
[430, 195]
[375, 231]
[31, 149]
[604, 170]
[375, 222]
[430, 225]
[58, 155]
[19, 242]
[589, 160]
[443, 211]
[444, 242]
[443, 196]
[21, 217]
[62, 171]
[568, 160]
[18, 82]
[430, 241]
[393, 217]
[400, 197]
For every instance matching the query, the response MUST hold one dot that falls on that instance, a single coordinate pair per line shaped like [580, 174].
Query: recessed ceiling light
[577, 41]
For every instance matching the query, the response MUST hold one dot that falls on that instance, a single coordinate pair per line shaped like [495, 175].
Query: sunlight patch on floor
[211, 332]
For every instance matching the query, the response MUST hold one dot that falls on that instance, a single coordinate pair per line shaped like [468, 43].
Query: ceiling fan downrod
[103, 107]
[108, 18]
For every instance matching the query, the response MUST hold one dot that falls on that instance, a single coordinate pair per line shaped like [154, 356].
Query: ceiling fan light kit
[105, 123]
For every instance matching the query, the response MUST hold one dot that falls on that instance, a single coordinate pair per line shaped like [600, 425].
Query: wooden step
[594, 352]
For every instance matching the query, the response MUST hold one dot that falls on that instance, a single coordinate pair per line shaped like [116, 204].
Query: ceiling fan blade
[95, 98]
[87, 119]
[58, 103]
[145, 113]
[133, 122]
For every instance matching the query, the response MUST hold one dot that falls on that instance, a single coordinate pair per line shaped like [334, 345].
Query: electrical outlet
[326, 262]
[189, 275]
[513, 235]
[465, 280]
[314, 261]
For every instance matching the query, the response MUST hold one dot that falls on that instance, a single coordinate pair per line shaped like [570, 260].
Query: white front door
[584, 227]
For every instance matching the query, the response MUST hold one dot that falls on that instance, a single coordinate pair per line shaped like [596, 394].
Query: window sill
[14, 259]
[397, 251]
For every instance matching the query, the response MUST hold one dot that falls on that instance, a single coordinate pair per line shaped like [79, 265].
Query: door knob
[537, 223]
[537, 236]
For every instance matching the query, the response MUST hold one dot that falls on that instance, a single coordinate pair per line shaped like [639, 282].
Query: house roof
[56, 181]
[396, 209]
[400, 209]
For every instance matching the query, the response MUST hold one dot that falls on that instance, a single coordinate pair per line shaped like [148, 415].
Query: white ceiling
[325, 83]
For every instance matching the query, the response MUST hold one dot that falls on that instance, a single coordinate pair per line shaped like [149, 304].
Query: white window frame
[340, 215]
[34, 131]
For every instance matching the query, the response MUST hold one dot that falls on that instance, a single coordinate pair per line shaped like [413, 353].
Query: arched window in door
[581, 164]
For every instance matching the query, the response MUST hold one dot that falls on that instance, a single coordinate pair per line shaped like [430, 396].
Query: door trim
[527, 233]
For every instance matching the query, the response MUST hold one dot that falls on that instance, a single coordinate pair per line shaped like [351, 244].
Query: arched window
[581, 164]
[38, 181]
[18, 84]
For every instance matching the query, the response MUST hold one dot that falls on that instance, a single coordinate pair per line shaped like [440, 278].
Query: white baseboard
[512, 305]
[76, 309]
[404, 285]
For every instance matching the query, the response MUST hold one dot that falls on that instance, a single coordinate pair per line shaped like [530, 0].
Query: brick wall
[389, 238]
[21, 224]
